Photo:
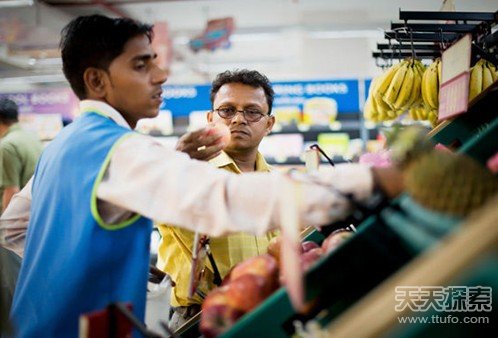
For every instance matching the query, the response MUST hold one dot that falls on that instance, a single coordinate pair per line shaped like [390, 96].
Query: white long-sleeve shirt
[146, 178]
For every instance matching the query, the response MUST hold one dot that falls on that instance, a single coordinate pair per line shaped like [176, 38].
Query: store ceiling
[29, 33]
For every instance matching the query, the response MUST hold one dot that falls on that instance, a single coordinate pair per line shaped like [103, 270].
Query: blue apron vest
[73, 263]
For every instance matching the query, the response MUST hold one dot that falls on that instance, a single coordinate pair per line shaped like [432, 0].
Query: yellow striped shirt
[175, 248]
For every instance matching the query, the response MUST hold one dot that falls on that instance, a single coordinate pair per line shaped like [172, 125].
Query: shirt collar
[223, 160]
[15, 126]
[99, 107]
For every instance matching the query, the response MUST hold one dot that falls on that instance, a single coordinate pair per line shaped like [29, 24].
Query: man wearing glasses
[242, 100]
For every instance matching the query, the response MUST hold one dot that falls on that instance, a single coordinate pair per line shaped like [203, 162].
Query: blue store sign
[183, 99]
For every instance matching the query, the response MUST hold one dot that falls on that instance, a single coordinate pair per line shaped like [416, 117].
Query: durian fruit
[449, 183]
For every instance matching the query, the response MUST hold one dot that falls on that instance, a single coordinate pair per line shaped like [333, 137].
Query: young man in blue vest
[98, 184]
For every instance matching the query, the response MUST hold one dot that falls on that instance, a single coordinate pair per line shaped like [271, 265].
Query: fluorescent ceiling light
[33, 79]
[16, 3]
[339, 34]
[182, 40]
[47, 62]
[254, 37]
[346, 34]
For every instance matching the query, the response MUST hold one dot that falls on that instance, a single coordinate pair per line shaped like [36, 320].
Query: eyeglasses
[251, 115]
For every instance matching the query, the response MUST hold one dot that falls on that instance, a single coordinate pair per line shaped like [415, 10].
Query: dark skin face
[132, 84]
[245, 136]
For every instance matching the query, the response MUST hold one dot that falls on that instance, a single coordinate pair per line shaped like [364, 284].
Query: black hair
[8, 111]
[95, 41]
[251, 78]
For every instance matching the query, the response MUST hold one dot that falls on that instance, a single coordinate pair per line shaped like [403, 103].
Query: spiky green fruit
[450, 183]
[408, 144]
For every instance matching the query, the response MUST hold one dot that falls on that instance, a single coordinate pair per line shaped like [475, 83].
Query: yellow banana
[433, 118]
[391, 114]
[415, 92]
[369, 111]
[404, 94]
[412, 112]
[439, 73]
[395, 86]
[381, 105]
[487, 78]
[475, 86]
[421, 115]
[430, 86]
[384, 81]
[494, 73]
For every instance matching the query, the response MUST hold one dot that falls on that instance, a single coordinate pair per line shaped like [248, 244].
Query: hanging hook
[443, 44]
[400, 56]
[414, 55]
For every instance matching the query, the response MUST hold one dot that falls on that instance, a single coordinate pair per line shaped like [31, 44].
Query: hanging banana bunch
[482, 75]
[430, 84]
[431, 81]
[395, 91]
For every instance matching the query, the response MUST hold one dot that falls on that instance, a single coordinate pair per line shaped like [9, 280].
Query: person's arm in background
[15, 219]
[11, 169]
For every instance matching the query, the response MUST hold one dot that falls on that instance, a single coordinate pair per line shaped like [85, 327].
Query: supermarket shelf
[352, 127]
[332, 127]
[294, 160]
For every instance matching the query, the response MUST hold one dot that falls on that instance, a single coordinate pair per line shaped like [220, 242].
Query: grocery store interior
[387, 83]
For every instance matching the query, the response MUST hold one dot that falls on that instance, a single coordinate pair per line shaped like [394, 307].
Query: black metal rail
[429, 39]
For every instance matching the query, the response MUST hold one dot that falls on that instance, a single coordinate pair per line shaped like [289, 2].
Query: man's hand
[389, 179]
[202, 144]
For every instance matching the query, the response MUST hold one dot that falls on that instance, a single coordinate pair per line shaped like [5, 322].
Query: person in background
[98, 184]
[19, 153]
[242, 100]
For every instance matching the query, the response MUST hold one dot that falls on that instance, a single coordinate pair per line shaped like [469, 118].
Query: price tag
[291, 246]
[454, 88]
[312, 160]
[454, 96]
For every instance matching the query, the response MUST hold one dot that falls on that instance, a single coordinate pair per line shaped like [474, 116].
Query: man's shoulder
[19, 135]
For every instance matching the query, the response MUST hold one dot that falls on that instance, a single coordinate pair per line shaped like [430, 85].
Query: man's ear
[269, 124]
[209, 116]
[95, 82]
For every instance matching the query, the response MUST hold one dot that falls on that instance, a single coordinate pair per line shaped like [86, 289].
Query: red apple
[247, 291]
[310, 257]
[263, 265]
[218, 313]
[335, 239]
[309, 245]
[220, 130]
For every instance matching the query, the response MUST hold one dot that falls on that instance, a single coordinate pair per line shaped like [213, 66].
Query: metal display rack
[426, 40]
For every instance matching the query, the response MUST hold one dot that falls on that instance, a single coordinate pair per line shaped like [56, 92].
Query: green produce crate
[474, 133]
[382, 246]
[484, 272]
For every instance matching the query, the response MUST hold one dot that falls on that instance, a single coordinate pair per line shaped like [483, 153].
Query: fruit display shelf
[383, 244]
[474, 132]
[465, 258]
